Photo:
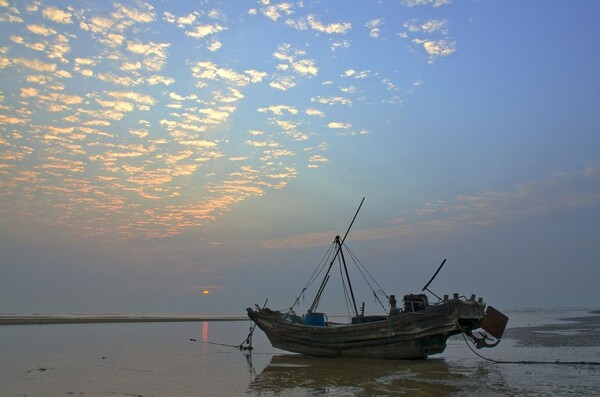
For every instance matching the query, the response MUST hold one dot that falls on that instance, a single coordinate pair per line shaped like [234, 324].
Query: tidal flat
[190, 358]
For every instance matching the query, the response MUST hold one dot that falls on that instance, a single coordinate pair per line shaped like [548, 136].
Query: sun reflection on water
[205, 331]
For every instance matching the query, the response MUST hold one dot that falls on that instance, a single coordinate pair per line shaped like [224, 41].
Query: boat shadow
[292, 374]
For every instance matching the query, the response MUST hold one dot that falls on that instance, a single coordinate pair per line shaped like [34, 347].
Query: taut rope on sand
[464, 335]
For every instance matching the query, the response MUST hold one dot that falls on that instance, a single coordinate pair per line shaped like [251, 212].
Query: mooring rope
[245, 345]
[464, 335]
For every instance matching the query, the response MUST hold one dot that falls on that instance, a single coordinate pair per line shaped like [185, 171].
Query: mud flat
[581, 331]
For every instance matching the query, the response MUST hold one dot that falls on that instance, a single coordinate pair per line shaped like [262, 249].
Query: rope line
[523, 361]
[362, 267]
[316, 273]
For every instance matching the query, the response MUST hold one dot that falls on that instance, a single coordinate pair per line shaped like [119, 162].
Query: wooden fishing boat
[417, 330]
[405, 335]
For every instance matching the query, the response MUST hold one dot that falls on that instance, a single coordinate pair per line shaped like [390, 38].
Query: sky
[201, 156]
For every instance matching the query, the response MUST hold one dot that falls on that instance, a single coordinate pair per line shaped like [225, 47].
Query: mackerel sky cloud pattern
[121, 118]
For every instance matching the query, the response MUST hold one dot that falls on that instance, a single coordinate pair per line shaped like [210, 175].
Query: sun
[205, 292]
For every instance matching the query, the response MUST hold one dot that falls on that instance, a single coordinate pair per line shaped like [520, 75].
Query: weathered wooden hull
[407, 335]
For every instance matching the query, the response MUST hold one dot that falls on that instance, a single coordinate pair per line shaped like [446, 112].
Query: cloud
[340, 44]
[278, 109]
[4, 62]
[316, 160]
[41, 30]
[59, 48]
[214, 45]
[140, 133]
[131, 66]
[67, 99]
[186, 20]
[357, 75]
[434, 25]
[472, 212]
[431, 26]
[134, 96]
[113, 39]
[434, 3]
[207, 70]
[333, 28]
[97, 25]
[119, 80]
[169, 17]
[35, 64]
[306, 240]
[157, 79]
[186, 122]
[267, 143]
[275, 153]
[40, 79]
[155, 53]
[255, 75]
[119, 106]
[61, 164]
[28, 92]
[276, 11]
[57, 15]
[373, 26]
[314, 112]
[282, 83]
[333, 100]
[178, 97]
[85, 61]
[302, 66]
[290, 128]
[216, 115]
[143, 13]
[12, 120]
[338, 125]
[204, 30]
[437, 48]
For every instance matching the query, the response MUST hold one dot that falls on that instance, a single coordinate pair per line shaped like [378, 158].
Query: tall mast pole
[352, 223]
[315, 302]
[347, 276]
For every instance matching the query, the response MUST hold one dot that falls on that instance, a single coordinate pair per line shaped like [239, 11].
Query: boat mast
[337, 239]
[315, 302]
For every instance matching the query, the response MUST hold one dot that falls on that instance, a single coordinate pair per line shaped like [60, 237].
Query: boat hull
[408, 335]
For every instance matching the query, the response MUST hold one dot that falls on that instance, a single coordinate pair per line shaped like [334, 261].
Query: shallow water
[175, 359]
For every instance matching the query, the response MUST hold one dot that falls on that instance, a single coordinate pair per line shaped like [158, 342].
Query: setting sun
[205, 292]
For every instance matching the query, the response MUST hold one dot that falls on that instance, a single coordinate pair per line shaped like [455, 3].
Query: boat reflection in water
[314, 376]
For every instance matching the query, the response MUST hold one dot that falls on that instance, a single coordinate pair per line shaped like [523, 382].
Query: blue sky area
[200, 156]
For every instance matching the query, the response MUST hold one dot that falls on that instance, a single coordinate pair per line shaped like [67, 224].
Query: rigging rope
[346, 297]
[464, 335]
[315, 274]
[359, 265]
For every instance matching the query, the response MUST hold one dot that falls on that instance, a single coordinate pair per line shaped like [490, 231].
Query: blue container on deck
[315, 319]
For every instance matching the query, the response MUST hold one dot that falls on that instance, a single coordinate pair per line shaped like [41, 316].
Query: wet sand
[570, 332]
[112, 318]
